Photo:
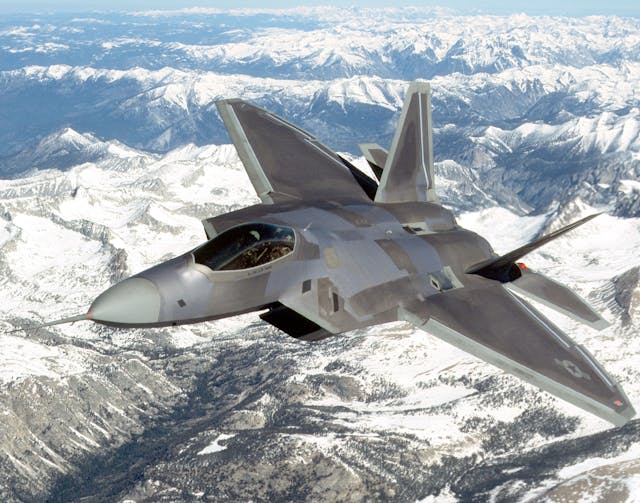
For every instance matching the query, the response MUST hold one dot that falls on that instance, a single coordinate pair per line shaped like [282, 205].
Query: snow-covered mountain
[111, 151]
[323, 43]
[540, 132]
[223, 400]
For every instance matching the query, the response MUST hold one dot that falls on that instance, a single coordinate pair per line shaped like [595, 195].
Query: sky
[533, 7]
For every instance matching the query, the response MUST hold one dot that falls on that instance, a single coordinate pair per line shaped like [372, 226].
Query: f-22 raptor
[329, 250]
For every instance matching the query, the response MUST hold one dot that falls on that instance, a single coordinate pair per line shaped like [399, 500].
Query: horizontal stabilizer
[504, 268]
[489, 322]
[558, 297]
[376, 156]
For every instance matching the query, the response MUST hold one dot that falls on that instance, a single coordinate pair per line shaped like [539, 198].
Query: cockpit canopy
[245, 246]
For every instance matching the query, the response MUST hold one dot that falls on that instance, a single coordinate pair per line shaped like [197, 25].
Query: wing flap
[284, 161]
[492, 324]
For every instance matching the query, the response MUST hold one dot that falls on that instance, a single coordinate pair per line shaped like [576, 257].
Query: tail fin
[504, 268]
[376, 156]
[408, 171]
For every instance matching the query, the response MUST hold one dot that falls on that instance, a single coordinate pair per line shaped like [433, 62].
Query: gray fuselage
[374, 257]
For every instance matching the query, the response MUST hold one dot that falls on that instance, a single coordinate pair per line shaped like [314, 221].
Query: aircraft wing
[284, 161]
[495, 325]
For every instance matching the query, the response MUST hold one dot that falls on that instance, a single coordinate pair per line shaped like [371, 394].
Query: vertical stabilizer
[408, 172]
[376, 156]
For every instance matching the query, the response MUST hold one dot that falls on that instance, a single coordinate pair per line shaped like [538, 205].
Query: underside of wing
[493, 324]
[284, 161]
[504, 268]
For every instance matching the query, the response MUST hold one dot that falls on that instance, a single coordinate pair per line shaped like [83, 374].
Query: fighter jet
[329, 250]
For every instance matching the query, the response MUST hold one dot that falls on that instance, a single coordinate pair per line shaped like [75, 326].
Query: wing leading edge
[284, 161]
[497, 326]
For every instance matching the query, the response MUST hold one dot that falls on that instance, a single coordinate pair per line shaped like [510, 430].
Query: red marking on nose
[522, 265]
[89, 315]
[618, 403]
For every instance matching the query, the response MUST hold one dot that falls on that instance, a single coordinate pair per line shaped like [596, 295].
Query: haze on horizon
[541, 7]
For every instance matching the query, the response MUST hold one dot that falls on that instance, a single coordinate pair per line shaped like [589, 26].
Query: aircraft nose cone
[134, 301]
